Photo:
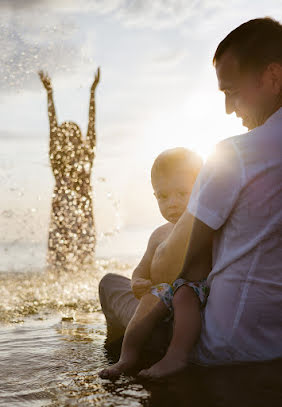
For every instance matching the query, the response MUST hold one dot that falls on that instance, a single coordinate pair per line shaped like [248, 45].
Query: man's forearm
[169, 256]
[187, 252]
[198, 260]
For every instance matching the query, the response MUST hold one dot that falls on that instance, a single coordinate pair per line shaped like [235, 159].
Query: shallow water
[55, 363]
[51, 348]
[51, 340]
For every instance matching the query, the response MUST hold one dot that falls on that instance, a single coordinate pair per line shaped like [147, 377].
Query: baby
[173, 175]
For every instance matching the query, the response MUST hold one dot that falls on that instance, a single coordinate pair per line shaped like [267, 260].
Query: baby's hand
[140, 287]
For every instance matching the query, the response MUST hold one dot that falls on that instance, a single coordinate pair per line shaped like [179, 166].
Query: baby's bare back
[157, 275]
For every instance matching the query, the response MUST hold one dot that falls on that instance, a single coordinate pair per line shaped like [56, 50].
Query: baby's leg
[186, 331]
[149, 311]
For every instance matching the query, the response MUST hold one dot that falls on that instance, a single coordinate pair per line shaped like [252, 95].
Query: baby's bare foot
[114, 371]
[164, 368]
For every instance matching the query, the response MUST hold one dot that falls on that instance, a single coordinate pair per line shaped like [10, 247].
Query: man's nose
[229, 104]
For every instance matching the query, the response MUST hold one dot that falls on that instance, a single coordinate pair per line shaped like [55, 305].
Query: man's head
[248, 64]
[173, 175]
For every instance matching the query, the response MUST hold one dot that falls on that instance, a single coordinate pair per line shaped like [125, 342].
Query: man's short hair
[255, 44]
[173, 159]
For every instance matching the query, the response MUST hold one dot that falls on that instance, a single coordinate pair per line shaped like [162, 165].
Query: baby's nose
[173, 200]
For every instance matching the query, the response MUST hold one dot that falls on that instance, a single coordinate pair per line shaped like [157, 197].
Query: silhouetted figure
[71, 242]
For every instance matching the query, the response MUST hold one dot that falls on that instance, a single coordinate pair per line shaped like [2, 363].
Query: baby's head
[173, 175]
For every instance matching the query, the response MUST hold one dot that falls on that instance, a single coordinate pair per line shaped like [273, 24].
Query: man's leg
[186, 331]
[118, 304]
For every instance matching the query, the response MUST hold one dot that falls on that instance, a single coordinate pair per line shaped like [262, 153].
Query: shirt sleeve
[218, 186]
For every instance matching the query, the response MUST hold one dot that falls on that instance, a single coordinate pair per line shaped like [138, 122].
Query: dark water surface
[51, 348]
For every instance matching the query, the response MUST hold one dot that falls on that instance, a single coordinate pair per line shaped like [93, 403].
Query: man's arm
[198, 260]
[189, 236]
[169, 255]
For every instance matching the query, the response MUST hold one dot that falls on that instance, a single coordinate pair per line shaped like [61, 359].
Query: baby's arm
[141, 278]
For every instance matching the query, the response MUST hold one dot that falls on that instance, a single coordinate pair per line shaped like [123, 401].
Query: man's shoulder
[233, 143]
[240, 141]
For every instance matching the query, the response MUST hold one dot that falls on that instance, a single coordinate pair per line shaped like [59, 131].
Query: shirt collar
[275, 116]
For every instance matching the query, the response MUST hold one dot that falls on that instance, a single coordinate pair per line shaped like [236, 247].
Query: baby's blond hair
[173, 159]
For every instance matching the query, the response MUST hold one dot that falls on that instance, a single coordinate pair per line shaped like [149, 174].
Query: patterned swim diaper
[165, 291]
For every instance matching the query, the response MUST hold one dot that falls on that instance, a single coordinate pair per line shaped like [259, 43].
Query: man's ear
[274, 77]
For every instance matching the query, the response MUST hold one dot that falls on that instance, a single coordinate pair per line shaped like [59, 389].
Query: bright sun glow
[195, 125]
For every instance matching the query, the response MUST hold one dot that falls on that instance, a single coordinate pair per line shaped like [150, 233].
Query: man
[236, 211]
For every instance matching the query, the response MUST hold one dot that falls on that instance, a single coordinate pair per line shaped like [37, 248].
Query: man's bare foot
[164, 368]
[114, 371]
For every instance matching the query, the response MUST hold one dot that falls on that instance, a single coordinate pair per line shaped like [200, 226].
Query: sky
[158, 90]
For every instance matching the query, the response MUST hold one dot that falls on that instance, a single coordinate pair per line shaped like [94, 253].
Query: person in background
[71, 242]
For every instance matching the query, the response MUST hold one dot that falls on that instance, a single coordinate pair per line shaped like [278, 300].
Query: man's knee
[105, 281]
[104, 285]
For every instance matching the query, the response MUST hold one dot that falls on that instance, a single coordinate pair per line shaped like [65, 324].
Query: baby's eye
[162, 196]
[182, 194]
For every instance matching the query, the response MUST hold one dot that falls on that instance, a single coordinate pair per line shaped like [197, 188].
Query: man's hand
[96, 80]
[45, 79]
[140, 287]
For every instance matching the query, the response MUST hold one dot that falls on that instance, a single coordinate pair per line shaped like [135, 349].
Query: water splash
[45, 291]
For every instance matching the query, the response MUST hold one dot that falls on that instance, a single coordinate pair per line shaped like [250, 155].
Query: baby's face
[173, 193]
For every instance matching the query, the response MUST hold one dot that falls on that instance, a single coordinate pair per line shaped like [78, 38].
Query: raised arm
[46, 81]
[91, 134]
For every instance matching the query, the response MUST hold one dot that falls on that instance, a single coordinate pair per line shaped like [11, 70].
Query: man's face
[246, 94]
[173, 192]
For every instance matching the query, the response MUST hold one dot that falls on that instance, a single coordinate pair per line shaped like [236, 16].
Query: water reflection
[54, 356]
[57, 364]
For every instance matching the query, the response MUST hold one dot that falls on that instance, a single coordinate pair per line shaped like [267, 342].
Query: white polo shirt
[239, 194]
